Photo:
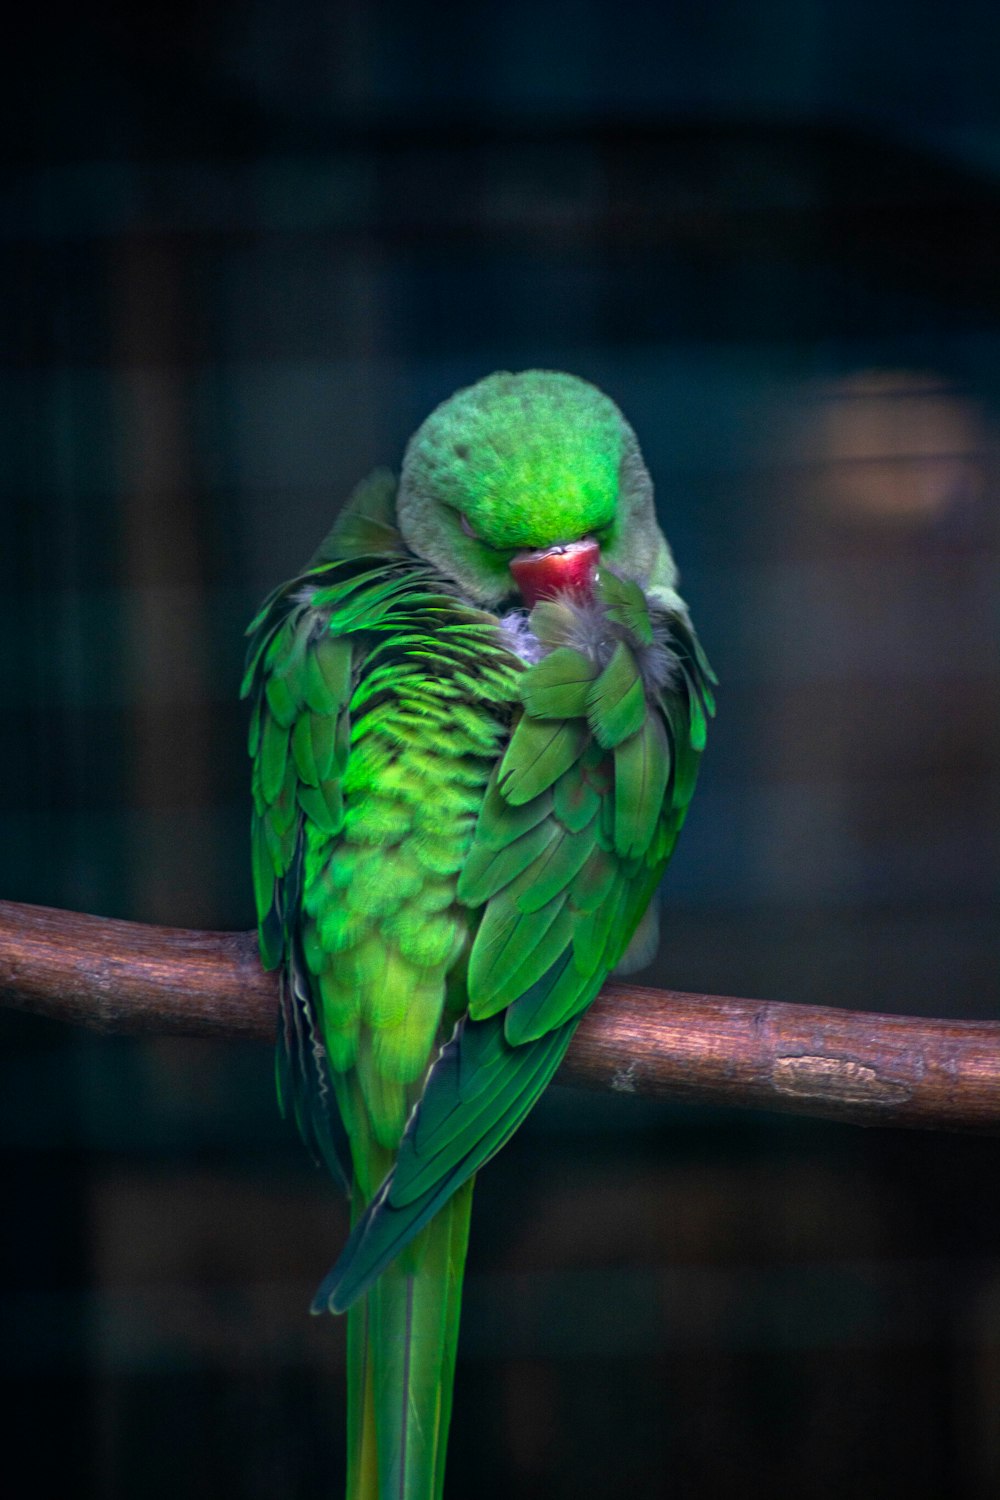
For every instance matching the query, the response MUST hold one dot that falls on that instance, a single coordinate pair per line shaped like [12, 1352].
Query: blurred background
[244, 250]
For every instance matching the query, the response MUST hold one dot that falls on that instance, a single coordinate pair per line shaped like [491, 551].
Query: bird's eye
[468, 530]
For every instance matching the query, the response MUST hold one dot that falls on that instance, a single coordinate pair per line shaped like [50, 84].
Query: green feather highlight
[368, 607]
[430, 941]
[273, 756]
[590, 938]
[665, 838]
[434, 895]
[685, 775]
[284, 809]
[384, 1099]
[626, 605]
[324, 806]
[341, 1044]
[439, 856]
[500, 823]
[323, 737]
[548, 1005]
[590, 888]
[262, 866]
[509, 1085]
[328, 674]
[505, 935]
[596, 767]
[253, 735]
[606, 823]
[539, 752]
[280, 842]
[616, 703]
[575, 798]
[302, 751]
[699, 728]
[555, 868]
[367, 968]
[685, 760]
[285, 677]
[488, 870]
[642, 766]
[341, 745]
[557, 686]
[478, 730]
[339, 926]
[341, 1006]
[506, 984]
[370, 884]
[341, 1021]
[377, 820]
[400, 1048]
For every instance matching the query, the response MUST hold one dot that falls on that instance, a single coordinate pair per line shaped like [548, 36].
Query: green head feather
[525, 461]
[529, 459]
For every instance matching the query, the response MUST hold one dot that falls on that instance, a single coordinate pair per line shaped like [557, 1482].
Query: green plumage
[453, 844]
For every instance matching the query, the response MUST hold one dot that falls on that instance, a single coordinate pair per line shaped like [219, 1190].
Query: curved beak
[569, 569]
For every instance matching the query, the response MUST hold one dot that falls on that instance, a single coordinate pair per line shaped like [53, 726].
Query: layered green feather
[576, 824]
[451, 850]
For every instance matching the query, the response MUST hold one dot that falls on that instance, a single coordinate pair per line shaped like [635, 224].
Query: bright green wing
[578, 820]
[380, 703]
[300, 671]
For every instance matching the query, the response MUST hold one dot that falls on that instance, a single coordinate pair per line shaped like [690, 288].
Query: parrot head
[526, 484]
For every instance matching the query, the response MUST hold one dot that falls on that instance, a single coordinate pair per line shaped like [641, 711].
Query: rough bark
[848, 1065]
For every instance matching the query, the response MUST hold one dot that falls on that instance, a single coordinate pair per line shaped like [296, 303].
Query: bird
[477, 718]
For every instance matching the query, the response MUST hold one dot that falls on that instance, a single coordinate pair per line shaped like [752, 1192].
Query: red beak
[571, 569]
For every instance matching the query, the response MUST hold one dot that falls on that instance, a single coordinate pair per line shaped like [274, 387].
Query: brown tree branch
[836, 1064]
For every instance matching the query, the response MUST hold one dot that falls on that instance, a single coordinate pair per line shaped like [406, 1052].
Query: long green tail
[402, 1338]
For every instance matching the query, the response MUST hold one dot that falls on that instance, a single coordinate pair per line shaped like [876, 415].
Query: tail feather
[432, 1163]
[457, 1252]
[402, 1341]
[362, 1455]
[399, 1276]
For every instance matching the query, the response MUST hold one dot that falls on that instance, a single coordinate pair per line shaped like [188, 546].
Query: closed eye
[467, 528]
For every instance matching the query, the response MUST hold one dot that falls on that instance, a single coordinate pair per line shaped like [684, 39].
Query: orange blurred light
[897, 445]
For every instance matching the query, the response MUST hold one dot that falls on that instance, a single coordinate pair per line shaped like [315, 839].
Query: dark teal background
[243, 251]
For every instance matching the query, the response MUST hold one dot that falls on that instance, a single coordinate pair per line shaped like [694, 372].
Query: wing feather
[572, 835]
[511, 1081]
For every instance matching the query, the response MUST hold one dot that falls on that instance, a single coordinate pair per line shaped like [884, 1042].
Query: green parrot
[477, 720]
